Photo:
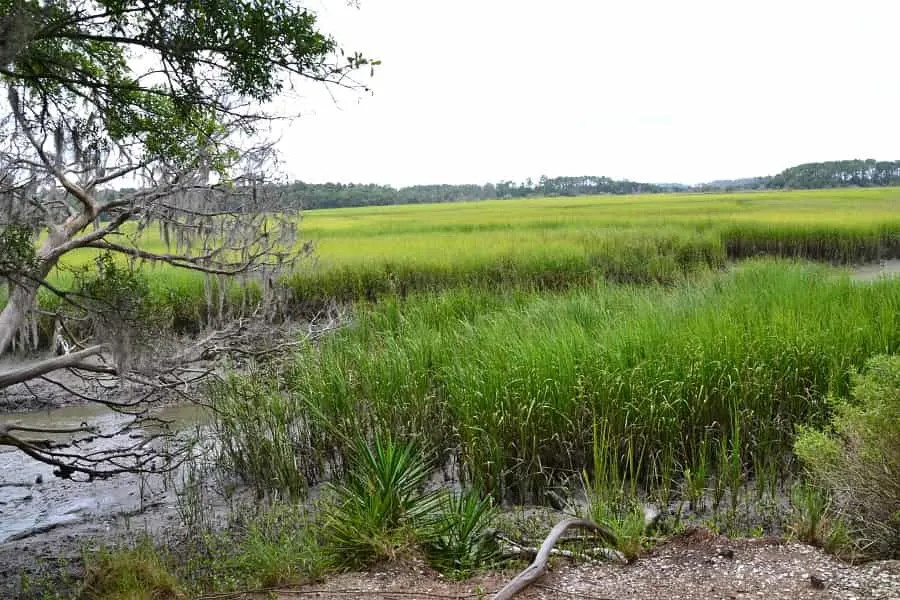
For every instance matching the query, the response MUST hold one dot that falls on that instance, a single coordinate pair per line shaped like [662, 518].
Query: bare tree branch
[141, 456]
[87, 201]
[39, 368]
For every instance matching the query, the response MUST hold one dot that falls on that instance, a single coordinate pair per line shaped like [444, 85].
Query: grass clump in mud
[264, 435]
[273, 545]
[612, 494]
[137, 573]
[262, 546]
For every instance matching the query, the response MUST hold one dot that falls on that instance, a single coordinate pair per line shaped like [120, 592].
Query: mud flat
[872, 272]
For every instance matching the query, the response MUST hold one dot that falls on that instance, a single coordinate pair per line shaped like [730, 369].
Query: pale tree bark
[23, 292]
[538, 567]
[40, 368]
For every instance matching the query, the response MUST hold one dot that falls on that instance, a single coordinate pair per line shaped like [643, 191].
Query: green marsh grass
[555, 243]
[709, 375]
[551, 243]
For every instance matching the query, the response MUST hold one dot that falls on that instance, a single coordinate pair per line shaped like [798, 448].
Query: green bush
[381, 511]
[111, 302]
[464, 539]
[857, 462]
[17, 254]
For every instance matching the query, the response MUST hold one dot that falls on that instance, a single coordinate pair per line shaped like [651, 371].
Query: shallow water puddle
[32, 499]
[885, 268]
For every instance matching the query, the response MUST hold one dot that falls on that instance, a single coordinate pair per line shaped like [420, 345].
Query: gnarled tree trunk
[23, 292]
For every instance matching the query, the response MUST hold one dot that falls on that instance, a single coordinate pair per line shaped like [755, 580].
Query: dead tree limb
[76, 458]
[42, 367]
[537, 568]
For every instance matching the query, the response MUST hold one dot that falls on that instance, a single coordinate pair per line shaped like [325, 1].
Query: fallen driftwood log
[537, 568]
[514, 550]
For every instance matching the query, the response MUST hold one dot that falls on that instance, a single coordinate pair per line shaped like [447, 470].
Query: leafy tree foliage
[831, 174]
[161, 74]
[165, 93]
[841, 173]
[337, 195]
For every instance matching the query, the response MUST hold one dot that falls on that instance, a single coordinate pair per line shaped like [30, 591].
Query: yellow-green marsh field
[552, 243]
[476, 232]
[557, 242]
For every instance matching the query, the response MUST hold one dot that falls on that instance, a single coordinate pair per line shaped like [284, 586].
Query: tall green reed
[509, 384]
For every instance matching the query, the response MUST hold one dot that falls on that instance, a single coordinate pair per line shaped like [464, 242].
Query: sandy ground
[695, 565]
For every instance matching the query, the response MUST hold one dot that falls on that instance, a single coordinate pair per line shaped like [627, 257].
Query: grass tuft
[138, 573]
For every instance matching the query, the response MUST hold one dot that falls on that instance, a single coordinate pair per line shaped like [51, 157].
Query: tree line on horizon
[831, 174]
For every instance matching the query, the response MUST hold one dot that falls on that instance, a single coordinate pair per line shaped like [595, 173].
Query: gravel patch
[696, 565]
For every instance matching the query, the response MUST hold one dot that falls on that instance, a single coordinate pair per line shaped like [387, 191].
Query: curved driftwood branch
[539, 566]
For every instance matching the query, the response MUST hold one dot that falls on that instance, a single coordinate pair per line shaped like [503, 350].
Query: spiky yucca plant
[381, 509]
[464, 538]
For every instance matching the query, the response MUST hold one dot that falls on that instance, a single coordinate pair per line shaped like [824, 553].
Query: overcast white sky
[472, 91]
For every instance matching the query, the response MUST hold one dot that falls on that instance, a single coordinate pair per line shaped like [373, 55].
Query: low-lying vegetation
[384, 506]
[595, 357]
[707, 380]
[381, 510]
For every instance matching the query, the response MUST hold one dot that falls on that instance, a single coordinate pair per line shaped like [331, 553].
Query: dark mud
[46, 521]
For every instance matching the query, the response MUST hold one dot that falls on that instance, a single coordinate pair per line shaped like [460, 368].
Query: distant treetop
[843, 173]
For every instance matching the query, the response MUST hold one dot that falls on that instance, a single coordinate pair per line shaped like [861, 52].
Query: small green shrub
[111, 302]
[380, 510]
[464, 539]
[857, 462]
[17, 255]
[115, 290]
